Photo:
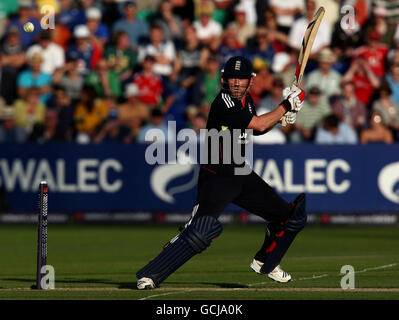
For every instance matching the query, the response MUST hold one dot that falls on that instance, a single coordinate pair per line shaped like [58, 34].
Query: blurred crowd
[108, 71]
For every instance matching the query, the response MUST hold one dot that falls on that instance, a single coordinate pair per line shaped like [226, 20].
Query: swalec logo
[388, 182]
[163, 175]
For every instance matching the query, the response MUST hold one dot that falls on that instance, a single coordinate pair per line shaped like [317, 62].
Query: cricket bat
[304, 52]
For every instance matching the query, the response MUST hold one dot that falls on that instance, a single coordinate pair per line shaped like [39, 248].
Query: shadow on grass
[214, 284]
[89, 282]
[127, 285]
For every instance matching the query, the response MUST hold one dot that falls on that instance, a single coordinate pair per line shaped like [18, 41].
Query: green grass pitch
[100, 262]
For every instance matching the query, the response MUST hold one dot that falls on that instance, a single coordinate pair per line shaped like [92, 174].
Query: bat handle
[294, 85]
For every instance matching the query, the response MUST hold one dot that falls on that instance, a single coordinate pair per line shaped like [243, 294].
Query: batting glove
[293, 99]
[290, 117]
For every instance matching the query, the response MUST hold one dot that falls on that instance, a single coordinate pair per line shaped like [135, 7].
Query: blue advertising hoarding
[107, 178]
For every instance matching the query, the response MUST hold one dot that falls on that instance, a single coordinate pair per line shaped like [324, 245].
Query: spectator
[245, 30]
[250, 10]
[29, 110]
[12, 50]
[323, 37]
[393, 53]
[272, 100]
[61, 35]
[208, 83]
[135, 28]
[267, 104]
[65, 108]
[190, 58]
[113, 131]
[99, 33]
[380, 24]
[346, 40]
[161, 132]
[348, 108]
[9, 132]
[170, 23]
[391, 9]
[324, 77]
[112, 12]
[90, 114]
[70, 15]
[133, 113]
[25, 15]
[230, 45]
[208, 30]
[331, 15]
[82, 49]
[284, 65]
[49, 131]
[334, 131]
[260, 46]
[8, 81]
[286, 11]
[314, 110]
[277, 37]
[376, 132]
[149, 83]
[13, 58]
[362, 10]
[163, 51]
[104, 80]
[363, 78]
[121, 57]
[263, 81]
[68, 77]
[387, 109]
[53, 55]
[185, 10]
[393, 80]
[198, 123]
[374, 53]
[34, 77]
[274, 136]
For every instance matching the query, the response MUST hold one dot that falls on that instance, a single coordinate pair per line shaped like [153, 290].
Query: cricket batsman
[219, 185]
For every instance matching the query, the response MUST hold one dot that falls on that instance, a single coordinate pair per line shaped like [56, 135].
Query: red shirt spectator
[363, 88]
[363, 78]
[149, 84]
[374, 53]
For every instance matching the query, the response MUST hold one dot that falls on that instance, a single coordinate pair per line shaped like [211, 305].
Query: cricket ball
[29, 27]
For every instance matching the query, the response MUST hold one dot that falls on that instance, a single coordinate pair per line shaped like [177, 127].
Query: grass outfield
[99, 262]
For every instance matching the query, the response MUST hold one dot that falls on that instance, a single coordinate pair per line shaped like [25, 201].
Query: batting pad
[296, 223]
[194, 239]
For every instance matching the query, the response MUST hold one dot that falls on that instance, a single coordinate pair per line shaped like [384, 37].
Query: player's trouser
[279, 236]
[285, 220]
[194, 239]
[214, 194]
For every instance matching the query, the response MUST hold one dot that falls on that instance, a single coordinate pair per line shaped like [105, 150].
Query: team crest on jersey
[238, 65]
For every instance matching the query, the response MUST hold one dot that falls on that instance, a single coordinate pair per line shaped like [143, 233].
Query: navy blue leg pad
[194, 239]
[296, 223]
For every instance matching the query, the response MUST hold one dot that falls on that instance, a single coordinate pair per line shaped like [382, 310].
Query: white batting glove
[290, 117]
[286, 92]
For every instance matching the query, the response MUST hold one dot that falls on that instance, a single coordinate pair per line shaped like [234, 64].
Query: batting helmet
[238, 67]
